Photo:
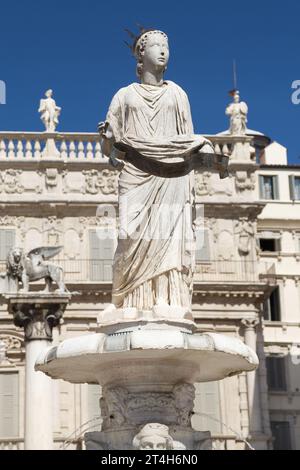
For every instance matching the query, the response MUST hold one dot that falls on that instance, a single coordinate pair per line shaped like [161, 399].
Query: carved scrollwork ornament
[37, 323]
[250, 323]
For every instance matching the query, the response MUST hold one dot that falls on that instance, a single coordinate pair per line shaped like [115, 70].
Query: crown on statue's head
[140, 40]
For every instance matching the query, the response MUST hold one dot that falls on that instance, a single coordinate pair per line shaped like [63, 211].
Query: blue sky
[77, 49]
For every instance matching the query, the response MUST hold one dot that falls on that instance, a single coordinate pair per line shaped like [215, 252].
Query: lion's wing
[45, 251]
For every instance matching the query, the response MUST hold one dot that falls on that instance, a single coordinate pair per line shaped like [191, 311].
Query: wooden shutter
[207, 407]
[7, 241]
[261, 187]
[292, 187]
[266, 310]
[101, 257]
[275, 183]
[9, 405]
[297, 188]
[275, 310]
[278, 244]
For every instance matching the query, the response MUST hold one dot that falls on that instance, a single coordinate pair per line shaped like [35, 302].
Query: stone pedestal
[37, 313]
[125, 410]
[50, 150]
[147, 369]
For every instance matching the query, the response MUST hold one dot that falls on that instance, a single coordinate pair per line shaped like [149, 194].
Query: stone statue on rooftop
[238, 111]
[49, 112]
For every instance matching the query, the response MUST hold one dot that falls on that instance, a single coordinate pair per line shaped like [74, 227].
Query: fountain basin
[147, 356]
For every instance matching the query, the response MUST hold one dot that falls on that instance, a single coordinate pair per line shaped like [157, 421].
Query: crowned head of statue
[151, 50]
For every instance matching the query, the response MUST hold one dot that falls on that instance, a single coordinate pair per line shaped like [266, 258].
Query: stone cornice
[231, 209]
[256, 293]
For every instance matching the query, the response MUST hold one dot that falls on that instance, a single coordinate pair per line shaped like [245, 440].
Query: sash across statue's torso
[191, 160]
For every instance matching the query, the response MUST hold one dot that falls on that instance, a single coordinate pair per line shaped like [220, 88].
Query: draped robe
[154, 260]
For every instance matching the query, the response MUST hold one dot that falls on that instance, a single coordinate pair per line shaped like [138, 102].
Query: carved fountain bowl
[147, 357]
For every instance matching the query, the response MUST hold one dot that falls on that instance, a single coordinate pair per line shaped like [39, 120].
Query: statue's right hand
[105, 130]
[101, 127]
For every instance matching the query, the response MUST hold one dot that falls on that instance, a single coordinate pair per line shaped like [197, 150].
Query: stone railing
[222, 144]
[267, 272]
[29, 146]
[89, 271]
[75, 146]
[18, 444]
[73, 444]
[226, 271]
[229, 442]
[11, 444]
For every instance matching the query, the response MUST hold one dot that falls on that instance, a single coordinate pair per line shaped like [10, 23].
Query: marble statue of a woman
[154, 260]
[237, 111]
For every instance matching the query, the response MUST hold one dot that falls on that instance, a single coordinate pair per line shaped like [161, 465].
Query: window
[202, 246]
[7, 241]
[294, 187]
[207, 408]
[101, 257]
[269, 244]
[281, 434]
[268, 187]
[276, 373]
[9, 405]
[272, 306]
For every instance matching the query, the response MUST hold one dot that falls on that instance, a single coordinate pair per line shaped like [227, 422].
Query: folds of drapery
[155, 251]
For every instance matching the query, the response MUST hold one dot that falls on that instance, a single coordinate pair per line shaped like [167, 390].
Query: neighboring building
[246, 282]
[278, 237]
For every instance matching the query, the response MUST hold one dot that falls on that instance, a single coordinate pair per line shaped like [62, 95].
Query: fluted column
[38, 314]
[255, 421]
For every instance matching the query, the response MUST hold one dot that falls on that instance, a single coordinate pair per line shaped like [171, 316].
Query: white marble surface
[154, 260]
[238, 111]
[49, 111]
[38, 399]
[148, 354]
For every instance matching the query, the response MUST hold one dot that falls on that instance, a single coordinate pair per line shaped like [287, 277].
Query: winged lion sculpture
[32, 266]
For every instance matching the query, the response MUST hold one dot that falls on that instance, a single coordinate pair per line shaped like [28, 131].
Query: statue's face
[236, 98]
[156, 53]
[17, 255]
[153, 442]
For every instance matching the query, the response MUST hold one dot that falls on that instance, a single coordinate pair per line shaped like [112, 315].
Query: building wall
[281, 219]
[60, 202]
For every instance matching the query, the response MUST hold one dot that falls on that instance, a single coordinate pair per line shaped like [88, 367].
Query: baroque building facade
[58, 189]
